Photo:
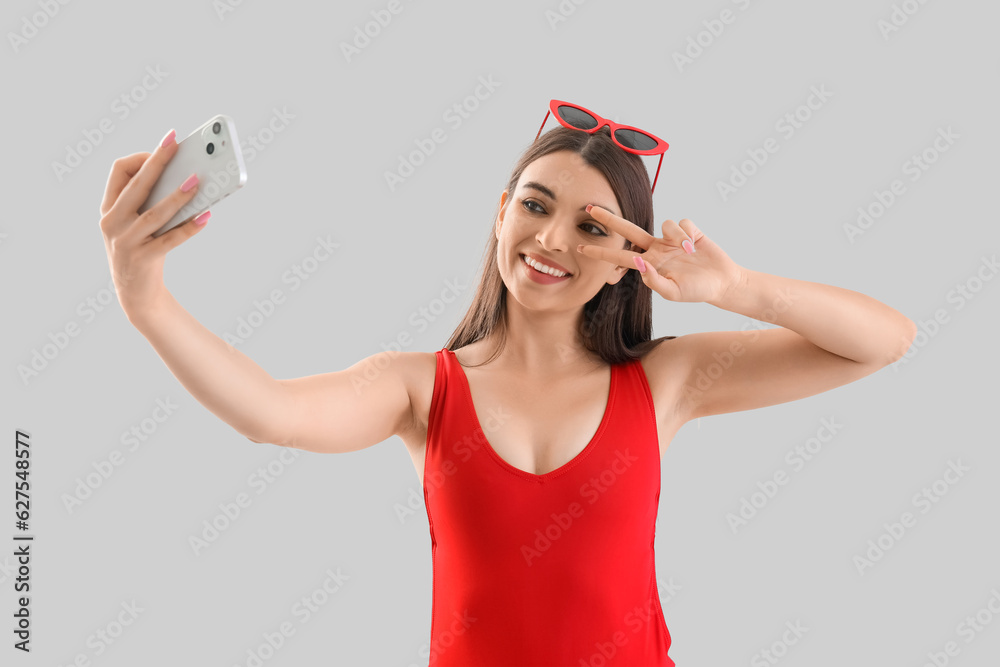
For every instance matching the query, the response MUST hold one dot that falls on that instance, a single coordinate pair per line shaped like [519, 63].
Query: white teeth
[544, 269]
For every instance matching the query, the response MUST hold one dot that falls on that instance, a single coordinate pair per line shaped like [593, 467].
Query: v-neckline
[564, 467]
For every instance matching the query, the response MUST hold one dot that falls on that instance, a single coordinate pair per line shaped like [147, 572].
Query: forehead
[569, 177]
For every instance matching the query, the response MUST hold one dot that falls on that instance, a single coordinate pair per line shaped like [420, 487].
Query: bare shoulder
[417, 371]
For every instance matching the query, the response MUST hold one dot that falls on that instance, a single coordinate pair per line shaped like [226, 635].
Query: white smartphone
[213, 153]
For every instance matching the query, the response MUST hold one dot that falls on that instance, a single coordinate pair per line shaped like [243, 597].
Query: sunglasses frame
[659, 149]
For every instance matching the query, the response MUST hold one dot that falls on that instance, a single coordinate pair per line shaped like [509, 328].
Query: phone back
[213, 153]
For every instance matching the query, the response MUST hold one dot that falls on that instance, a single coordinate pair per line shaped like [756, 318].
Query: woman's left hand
[671, 271]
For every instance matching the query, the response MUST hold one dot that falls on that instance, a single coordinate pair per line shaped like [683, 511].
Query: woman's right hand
[135, 256]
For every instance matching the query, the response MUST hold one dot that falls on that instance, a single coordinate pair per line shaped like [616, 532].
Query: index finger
[631, 231]
[138, 187]
[122, 172]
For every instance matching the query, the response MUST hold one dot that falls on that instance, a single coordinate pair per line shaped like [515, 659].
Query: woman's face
[546, 218]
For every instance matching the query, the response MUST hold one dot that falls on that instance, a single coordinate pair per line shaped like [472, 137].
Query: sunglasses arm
[657, 173]
[543, 125]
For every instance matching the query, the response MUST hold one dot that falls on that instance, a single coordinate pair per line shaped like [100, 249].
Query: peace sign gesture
[705, 273]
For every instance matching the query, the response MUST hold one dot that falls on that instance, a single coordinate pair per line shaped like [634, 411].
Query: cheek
[502, 248]
[503, 256]
[510, 237]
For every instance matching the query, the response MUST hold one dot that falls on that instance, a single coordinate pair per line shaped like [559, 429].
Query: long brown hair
[617, 323]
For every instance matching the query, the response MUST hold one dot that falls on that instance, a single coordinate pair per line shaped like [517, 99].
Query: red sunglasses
[628, 138]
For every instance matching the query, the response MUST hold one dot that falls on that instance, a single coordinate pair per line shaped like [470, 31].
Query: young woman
[537, 431]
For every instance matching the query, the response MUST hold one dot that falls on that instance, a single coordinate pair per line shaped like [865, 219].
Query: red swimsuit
[553, 570]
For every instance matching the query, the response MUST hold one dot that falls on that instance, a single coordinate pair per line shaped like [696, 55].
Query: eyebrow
[551, 195]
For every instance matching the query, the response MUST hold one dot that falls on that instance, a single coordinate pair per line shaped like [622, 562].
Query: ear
[619, 273]
[503, 210]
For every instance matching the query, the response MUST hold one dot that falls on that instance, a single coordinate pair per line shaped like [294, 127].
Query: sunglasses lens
[636, 140]
[577, 118]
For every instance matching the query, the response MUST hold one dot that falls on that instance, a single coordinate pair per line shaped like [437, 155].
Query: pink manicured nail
[203, 218]
[169, 139]
[639, 264]
[589, 206]
[688, 246]
[189, 183]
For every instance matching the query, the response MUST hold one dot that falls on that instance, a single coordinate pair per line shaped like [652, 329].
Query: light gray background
[323, 176]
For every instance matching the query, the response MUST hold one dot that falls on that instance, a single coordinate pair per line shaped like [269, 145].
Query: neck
[542, 344]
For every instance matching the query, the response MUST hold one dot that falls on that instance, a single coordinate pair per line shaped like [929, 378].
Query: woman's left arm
[847, 323]
[826, 336]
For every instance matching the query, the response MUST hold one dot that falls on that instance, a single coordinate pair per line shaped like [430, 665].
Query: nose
[554, 235]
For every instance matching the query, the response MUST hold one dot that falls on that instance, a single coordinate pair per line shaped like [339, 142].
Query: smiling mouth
[564, 274]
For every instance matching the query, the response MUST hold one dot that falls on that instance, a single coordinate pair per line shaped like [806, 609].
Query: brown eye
[526, 202]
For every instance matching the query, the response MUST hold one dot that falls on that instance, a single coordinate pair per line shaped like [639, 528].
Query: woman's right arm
[331, 412]
[334, 412]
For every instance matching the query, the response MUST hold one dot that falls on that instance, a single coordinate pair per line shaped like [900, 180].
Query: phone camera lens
[217, 127]
[210, 148]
